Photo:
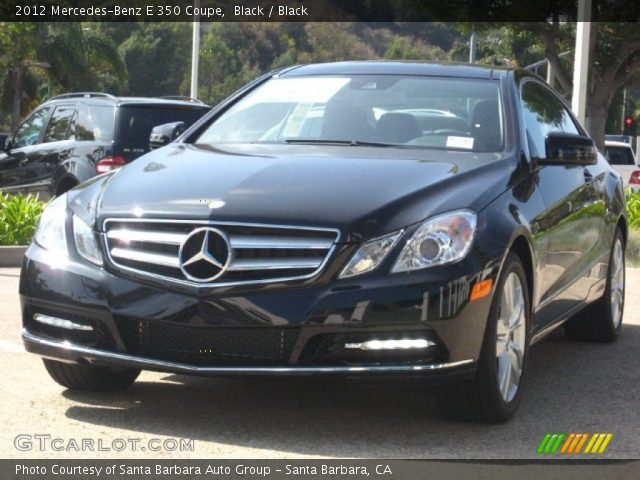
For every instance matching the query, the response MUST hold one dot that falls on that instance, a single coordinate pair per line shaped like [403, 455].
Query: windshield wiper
[350, 143]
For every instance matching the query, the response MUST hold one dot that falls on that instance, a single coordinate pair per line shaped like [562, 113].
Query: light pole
[473, 48]
[581, 61]
[195, 53]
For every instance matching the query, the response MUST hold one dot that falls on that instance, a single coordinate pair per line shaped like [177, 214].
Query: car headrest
[398, 128]
[485, 124]
[346, 124]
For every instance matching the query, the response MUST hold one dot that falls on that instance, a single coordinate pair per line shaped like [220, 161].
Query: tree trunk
[16, 88]
[596, 122]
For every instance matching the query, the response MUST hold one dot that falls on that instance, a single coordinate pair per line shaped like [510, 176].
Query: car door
[25, 148]
[574, 217]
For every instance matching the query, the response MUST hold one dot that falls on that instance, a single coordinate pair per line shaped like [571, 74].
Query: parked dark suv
[75, 136]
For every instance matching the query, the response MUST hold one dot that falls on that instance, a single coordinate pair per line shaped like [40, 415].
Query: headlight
[85, 241]
[370, 255]
[443, 239]
[50, 234]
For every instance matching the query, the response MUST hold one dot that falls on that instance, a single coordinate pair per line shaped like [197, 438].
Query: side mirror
[162, 135]
[569, 149]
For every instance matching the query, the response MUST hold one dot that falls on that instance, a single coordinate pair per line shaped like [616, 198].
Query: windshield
[619, 155]
[395, 110]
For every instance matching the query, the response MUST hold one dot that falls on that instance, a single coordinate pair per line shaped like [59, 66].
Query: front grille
[208, 346]
[257, 253]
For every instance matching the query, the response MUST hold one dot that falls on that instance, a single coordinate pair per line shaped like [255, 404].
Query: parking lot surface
[572, 387]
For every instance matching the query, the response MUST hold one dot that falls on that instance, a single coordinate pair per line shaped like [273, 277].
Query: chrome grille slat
[259, 253]
[145, 257]
[274, 264]
[245, 241]
[237, 241]
[147, 236]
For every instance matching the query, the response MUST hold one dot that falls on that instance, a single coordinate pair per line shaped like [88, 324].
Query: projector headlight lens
[440, 240]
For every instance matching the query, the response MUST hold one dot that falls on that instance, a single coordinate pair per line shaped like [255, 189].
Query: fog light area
[404, 344]
[60, 322]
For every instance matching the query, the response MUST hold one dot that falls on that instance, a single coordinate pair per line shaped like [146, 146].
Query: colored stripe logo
[574, 443]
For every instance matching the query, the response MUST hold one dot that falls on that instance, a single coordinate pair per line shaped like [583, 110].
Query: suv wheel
[91, 378]
[494, 394]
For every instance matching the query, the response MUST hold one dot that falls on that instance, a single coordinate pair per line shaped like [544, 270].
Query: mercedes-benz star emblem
[204, 255]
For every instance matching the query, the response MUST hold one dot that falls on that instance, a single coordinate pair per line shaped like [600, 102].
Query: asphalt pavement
[572, 387]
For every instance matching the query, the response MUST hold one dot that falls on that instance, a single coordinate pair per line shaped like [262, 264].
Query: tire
[66, 185]
[482, 399]
[90, 378]
[601, 321]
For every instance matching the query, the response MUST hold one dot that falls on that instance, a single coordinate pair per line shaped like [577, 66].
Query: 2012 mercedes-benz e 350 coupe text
[358, 218]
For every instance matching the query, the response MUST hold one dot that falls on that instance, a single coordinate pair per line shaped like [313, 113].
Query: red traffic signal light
[629, 126]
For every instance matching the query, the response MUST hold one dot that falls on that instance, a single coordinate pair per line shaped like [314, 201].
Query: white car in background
[621, 157]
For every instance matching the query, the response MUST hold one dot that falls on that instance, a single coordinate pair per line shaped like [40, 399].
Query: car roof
[462, 70]
[612, 143]
[91, 98]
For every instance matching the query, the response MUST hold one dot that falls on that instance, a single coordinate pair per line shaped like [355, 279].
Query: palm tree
[69, 56]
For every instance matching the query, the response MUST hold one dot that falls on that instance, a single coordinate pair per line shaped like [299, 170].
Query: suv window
[619, 155]
[95, 122]
[61, 124]
[136, 121]
[29, 132]
[543, 113]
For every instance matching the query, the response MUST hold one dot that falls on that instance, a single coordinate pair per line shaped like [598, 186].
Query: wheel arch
[624, 228]
[521, 246]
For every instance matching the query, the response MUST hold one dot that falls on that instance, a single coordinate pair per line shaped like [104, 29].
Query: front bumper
[276, 330]
[65, 351]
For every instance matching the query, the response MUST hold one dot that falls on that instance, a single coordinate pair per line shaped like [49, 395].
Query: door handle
[23, 162]
[588, 176]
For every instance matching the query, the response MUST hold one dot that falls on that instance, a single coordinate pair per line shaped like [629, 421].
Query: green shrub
[633, 249]
[633, 209]
[19, 216]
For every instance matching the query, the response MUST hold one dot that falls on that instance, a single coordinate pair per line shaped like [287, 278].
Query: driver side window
[543, 113]
[31, 129]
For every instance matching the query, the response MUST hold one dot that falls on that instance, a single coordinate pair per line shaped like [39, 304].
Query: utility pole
[624, 106]
[581, 61]
[473, 50]
[195, 53]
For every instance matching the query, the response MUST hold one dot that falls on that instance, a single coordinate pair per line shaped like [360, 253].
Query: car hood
[363, 191]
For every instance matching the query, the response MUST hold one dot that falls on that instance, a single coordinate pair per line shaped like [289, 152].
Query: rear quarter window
[95, 122]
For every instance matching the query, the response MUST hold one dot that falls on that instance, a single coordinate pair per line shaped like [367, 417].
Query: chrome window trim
[222, 224]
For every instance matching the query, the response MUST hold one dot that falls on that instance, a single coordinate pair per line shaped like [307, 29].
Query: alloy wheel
[616, 272]
[511, 337]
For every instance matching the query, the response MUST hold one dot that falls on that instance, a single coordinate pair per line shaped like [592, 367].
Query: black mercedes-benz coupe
[361, 218]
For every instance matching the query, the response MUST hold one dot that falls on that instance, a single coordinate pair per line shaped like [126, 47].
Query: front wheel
[494, 394]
